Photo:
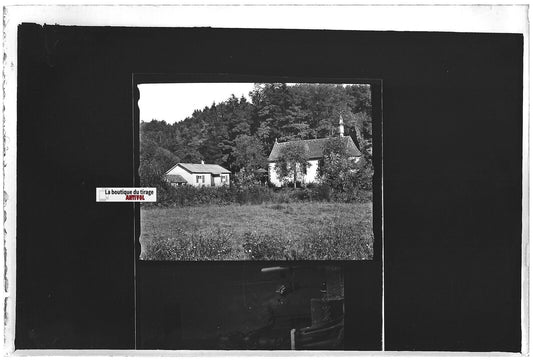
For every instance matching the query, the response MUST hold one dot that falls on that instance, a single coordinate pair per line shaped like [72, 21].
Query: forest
[239, 133]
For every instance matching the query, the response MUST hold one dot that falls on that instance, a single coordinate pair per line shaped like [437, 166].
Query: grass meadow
[275, 231]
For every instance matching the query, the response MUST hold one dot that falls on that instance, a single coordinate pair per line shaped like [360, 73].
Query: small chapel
[315, 152]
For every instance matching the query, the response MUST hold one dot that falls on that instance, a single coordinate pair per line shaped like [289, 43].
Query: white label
[126, 194]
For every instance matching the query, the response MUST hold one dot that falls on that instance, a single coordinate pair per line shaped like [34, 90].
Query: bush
[322, 192]
[187, 195]
[282, 196]
[290, 184]
[254, 195]
[301, 195]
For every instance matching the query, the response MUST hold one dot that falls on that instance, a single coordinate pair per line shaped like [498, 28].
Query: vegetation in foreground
[282, 231]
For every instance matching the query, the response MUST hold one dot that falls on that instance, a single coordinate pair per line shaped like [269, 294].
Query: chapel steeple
[341, 126]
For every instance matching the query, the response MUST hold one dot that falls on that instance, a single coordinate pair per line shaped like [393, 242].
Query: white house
[207, 175]
[315, 152]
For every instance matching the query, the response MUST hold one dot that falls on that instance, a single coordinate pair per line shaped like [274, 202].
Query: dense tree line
[238, 133]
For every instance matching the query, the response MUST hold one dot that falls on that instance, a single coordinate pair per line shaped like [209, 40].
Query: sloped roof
[175, 178]
[201, 168]
[314, 147]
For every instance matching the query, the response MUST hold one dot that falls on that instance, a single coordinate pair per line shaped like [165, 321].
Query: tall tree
[249, 154]
[293, 161]
[336, 168]
[154, 162]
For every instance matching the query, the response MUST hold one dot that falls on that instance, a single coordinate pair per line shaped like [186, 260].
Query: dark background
[452, 132]
[213, 296]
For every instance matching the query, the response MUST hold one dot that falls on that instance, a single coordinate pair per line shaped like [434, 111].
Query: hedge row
[187, 195]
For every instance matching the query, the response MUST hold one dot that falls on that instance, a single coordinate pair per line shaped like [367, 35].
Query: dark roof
[314, 147]
[175, 178]
[201, 168]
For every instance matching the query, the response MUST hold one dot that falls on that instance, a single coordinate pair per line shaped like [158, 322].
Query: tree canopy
[292, 162]
[238, 133]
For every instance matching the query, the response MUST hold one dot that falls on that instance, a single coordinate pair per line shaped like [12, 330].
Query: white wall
[227, 181]
[218, 180]
[312, 172]
[272, 175]
[207, 180]
[310, 177]
[182, 172]
[191, 178]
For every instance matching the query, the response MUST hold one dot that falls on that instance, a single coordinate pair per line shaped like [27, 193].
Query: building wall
[272, 176]
[310, 177]
[191, 178]
[219, 182]
[227, 179]
[312, 172]
[205, 182]
[182, 172]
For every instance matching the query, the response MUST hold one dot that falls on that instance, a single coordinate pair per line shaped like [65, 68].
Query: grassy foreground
[308, 231]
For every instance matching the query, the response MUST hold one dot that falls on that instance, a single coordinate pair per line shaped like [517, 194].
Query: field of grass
[308, 230]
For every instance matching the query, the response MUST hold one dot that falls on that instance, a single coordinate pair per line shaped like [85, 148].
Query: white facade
[310, 176]
[201, 179]
[312, 172]
[314, 149]
[220, 180]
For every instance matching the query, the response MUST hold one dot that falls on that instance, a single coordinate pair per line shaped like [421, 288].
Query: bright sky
[175, 102]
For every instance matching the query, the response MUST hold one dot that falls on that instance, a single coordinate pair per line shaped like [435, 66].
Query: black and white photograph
[266, 180]
[256, 171]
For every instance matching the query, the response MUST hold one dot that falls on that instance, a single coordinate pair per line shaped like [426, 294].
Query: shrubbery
[170, 196]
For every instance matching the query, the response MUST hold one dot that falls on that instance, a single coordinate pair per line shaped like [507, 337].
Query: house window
[203, 179]
[223, 178]
[198, 177]
[304, 169]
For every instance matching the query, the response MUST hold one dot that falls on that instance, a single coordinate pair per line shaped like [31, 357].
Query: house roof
[201, 168]
[175, 178]
[314, 147]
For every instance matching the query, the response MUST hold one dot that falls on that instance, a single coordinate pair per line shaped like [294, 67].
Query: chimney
[203, 161]
[341, 126]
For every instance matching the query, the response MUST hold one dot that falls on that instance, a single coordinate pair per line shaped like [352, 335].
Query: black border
[376, 87]
[452, 173]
